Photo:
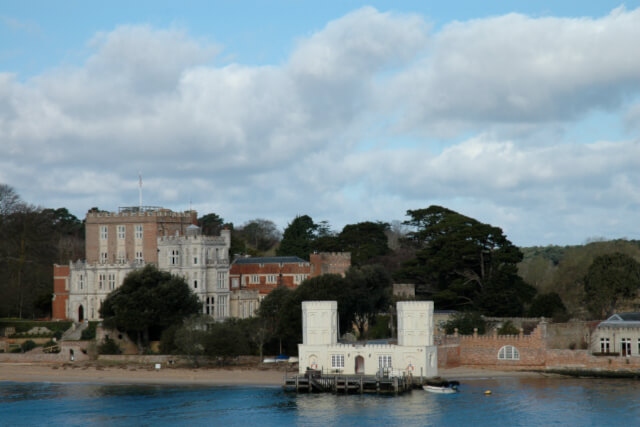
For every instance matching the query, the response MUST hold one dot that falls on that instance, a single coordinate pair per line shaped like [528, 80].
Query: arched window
[508, 352]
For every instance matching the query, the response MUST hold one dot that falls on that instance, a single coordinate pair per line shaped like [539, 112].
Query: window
[221, 307]
[138, 232]
[195, 284]
[299, 278]
[121, 232]
[625, 347]
[384, 361]
[235, 283]
[272, 278]
[209, 305]
[112, 281]
[174, 257]
[104, 232]
[139, 257]
[195, 260]
[221, 281]
[81, 282]
[121, 256]
[102, 281]
[337, 361]
[103, 257]
[508, 352]
[604, 345]
[255, 279]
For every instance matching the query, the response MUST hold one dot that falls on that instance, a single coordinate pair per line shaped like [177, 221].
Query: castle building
[118, 243]
[414, 354]
[204, 263]
[253, 278]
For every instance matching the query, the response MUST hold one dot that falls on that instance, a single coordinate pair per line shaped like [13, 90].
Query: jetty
[314, 381]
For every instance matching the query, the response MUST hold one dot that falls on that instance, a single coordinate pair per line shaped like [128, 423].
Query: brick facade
[60, 291]
[115, 245]
[155, 223]
[481, 351]
[329, 263]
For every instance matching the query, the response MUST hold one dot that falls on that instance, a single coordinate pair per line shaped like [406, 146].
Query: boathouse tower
[414, 354]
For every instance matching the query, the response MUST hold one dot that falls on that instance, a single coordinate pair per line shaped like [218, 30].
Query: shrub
[28, 345]
[379, 328]
[109, 346]
[547, 305]
[90, 332]
[508, 328]
[465, 322]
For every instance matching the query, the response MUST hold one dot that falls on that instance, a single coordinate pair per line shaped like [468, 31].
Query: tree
[262, 234]
[463, 263]
[271, 314]
[298, 238]
[547, 305]
[211, 224]
[610, 279]
[365, 241]
[222, 340]
[465, 323]
[369, 293]
[10, 201]
[148, 300]
[190, 337]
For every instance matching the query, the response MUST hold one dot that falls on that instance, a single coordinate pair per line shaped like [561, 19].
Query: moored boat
[442, 387]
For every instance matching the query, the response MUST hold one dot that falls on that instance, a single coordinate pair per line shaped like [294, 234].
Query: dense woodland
[457, 261]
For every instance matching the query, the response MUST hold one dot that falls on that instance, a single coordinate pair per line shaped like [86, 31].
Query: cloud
[324, 133]
[519, 69]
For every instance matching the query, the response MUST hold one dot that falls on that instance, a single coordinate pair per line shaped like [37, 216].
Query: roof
[622, 320]
[270, 260]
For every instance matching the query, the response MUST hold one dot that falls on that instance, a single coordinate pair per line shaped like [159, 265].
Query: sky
[524, 115]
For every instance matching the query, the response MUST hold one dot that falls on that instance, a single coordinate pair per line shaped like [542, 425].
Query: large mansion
[118, 243]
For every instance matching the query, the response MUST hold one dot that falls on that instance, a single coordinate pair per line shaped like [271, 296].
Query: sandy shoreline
[79, 373]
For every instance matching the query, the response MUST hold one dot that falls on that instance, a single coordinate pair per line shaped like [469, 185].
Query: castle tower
[319, 322]
[415, 323]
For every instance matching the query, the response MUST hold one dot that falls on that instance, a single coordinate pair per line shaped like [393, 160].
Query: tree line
[32, 239]
[458, 262]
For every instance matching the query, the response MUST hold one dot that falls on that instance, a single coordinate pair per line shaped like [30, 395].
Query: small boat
[442, 387]
[441, 390]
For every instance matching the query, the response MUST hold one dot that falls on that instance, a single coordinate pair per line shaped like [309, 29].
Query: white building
[203, 261]
[414, 354]
[158, 237]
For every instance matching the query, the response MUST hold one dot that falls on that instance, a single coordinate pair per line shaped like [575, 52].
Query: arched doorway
[359, 365]
[80, 313]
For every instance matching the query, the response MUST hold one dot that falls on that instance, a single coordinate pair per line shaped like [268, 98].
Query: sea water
[513, 402]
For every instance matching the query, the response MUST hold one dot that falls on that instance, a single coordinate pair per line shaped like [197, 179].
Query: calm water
[514, 402]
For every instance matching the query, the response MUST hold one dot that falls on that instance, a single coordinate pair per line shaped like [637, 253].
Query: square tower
[415, 323]
[319, 322]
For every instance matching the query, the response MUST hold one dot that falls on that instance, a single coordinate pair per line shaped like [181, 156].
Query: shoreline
[182, 376]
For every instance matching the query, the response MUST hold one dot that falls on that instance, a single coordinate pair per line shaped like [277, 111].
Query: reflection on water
[514, 401]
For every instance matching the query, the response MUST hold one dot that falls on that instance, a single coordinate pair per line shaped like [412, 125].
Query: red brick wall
[60, 291]
[329, 263]
[482, 350]
[162, 223]
[287, 270]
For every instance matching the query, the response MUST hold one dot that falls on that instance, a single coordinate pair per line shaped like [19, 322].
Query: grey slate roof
[269, 260]
[621, 320]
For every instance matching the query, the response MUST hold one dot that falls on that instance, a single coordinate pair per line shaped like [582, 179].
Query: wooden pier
[317, 382]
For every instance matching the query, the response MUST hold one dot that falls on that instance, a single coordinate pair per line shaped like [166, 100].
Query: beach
[147, 374]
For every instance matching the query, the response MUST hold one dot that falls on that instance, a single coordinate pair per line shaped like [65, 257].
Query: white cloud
[280, 140]
[518, 69]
